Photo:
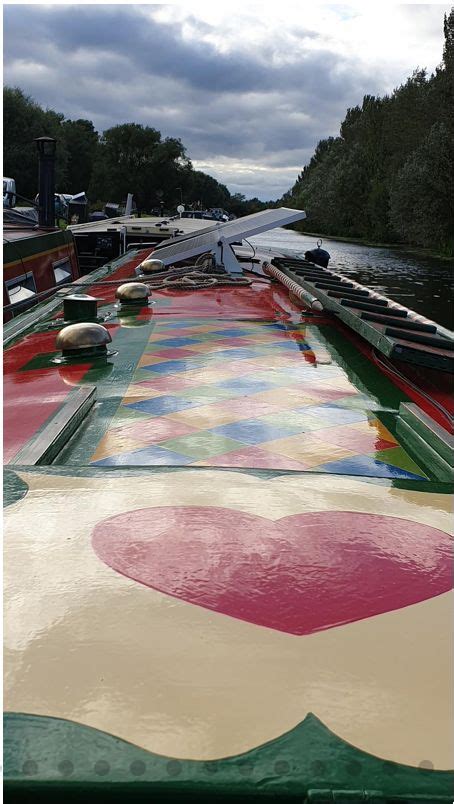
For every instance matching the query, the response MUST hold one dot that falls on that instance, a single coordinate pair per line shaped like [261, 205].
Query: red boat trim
[39, 254]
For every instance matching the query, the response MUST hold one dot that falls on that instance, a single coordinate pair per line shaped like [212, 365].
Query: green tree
[167, 171]
[238, 204]
[422, 198]
[123, 158]
[81, 142]
[204, 191]
[132, 158]
[448, 48]
[23, 121]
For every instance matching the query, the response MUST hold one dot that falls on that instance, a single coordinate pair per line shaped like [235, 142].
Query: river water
[423, 284]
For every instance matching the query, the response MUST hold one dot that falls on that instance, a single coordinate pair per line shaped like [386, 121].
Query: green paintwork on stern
[54, 755]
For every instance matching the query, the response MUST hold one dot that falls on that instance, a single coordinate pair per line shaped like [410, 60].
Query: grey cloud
[159, 50]
[115, 64]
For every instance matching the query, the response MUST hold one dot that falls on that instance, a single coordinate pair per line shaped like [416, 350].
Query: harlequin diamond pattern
[259, 395]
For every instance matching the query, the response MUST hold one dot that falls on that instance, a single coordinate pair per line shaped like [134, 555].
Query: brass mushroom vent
[150, 266]
[133, 294]
[82, 341]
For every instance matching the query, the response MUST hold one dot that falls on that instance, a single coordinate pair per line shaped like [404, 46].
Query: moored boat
[35, 262]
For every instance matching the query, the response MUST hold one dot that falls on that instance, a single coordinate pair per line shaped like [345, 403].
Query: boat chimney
[46, 150]
[80, 307]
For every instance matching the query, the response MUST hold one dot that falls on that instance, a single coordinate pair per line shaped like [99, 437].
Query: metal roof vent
[150, 266]
[80, 307]
[133, 294]
[83, 341]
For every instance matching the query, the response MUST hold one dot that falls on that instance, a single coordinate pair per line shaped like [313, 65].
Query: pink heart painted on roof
[301, 574]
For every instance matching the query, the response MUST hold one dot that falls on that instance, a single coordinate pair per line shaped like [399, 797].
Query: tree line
[389, 175]
[125, 158]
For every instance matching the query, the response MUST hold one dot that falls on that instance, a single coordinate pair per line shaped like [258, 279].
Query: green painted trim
[360, 371]
[40, 361]
[416, 445]
[55, 752]
[112, 381]
[14, 488]
[429, 430]
[386, 398]
[44, 446]
[381, 342]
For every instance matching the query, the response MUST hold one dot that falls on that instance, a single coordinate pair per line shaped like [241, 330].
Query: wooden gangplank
[393, 329]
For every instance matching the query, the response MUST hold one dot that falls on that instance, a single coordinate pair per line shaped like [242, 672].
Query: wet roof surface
[247, 568]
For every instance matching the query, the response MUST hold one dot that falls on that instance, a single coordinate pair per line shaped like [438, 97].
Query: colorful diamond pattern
[209, 393]
[254, 431]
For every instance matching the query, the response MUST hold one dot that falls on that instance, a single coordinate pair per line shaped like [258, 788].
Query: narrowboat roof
[170, 224]
[13, 232]
[227, 560]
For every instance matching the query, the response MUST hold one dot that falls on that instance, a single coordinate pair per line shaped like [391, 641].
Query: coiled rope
[203, 274]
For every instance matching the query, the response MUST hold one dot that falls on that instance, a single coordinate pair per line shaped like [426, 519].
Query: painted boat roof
[237, 577]
[17, 232]
[132, 223]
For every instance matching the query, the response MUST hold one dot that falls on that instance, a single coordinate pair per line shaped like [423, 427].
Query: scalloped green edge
[309, 763]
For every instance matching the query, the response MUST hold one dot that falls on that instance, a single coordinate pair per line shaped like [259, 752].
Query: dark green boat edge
[50, 759]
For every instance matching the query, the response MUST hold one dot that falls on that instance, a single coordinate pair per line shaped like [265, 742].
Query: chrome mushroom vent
[83, 341]
[150, 266]
[133, 294]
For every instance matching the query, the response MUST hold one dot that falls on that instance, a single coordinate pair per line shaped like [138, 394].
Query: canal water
[423, 284]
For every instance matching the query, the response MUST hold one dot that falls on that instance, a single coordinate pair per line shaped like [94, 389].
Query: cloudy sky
[249, 88]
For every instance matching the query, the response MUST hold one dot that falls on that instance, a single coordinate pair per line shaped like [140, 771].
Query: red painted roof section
[31, 397]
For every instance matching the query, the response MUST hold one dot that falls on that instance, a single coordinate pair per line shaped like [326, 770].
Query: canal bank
[406, 248]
